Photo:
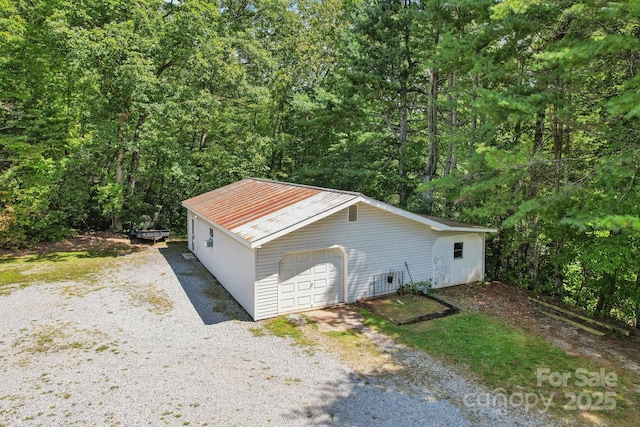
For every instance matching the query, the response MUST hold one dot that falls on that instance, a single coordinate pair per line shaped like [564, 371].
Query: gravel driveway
[156, 342]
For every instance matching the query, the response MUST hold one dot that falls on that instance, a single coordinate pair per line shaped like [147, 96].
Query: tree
[36, 125]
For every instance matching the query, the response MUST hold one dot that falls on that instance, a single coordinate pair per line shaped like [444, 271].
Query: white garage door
[310, 279]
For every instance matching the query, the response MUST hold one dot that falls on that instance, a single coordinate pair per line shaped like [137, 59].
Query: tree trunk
[538, 139]
[558, 136]
[277, 148]
[450, 163]
[606, 290]
[432, 118]
[557, 129]
[116, 218]
[638, 300]
[402, 149]
[534, 255]
[558, 274]
[203, 139]
[135, 156]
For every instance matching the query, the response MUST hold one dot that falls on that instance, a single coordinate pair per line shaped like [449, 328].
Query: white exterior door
[310, 279]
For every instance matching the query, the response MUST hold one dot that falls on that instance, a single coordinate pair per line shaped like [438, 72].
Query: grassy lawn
[19, 272]
[516, 363]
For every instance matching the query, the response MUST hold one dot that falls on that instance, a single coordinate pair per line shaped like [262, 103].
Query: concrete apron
[340, 318]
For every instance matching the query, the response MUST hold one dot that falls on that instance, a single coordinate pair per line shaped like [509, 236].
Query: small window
[210, 231]
[457, 250]
[353, 213]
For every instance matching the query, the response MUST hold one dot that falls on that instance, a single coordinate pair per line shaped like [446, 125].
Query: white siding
[232, 263]
[450, 271]
[376, 243]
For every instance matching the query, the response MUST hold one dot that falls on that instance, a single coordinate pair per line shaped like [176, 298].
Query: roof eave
[472, 229]
[284, 231]
[434, 225]
[225, 230]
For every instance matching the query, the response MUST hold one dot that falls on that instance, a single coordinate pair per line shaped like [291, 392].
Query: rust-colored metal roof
[247, 200]
[256, 208]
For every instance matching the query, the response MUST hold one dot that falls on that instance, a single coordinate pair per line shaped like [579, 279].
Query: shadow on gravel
[211, 301]
[368, 400]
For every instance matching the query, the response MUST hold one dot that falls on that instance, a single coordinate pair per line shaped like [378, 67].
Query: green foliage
[417, 288]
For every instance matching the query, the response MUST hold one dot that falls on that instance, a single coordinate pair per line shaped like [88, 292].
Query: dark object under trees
[153, 235]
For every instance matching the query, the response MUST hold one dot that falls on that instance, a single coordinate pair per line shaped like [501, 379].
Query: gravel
[156, 342]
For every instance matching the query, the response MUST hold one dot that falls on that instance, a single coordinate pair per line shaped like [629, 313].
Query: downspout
[345, 274]
[484, 237]
[255, 282]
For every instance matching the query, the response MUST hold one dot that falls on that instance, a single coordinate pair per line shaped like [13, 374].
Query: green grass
[504, 356]
[19, 272]
[257, 332]
[281, 327]
[58, 337]
[157, 300]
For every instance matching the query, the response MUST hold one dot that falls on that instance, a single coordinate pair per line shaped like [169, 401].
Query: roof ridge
[313, 187]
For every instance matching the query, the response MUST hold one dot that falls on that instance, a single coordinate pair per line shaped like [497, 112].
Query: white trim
[435, 225]
[297, 226]
[345, 273]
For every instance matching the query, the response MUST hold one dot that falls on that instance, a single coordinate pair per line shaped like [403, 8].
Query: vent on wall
[353, 213]
[386, 283]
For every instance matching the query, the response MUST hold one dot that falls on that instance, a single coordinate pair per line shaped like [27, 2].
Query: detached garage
[280, 247]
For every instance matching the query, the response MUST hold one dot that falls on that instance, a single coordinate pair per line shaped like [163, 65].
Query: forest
[519, 115]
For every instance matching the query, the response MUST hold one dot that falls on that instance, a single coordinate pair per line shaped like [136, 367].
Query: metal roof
[255, 208]
[257, 211]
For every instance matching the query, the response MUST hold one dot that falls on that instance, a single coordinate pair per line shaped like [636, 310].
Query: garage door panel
[304, 301]
[320, 268]
[287, 288]
[320, 284]
[332, 298]
[303, 270]
[313, 278]
[319, 299]
[287, 303]
[304, 285]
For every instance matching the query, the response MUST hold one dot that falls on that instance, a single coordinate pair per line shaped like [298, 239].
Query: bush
[419, 288]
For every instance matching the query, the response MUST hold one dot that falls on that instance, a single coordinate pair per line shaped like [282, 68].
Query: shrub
[419, 288]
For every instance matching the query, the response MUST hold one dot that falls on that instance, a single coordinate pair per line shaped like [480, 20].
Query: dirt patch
[408, 308]
[88, 241]
[512, 304]
[336, 319]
